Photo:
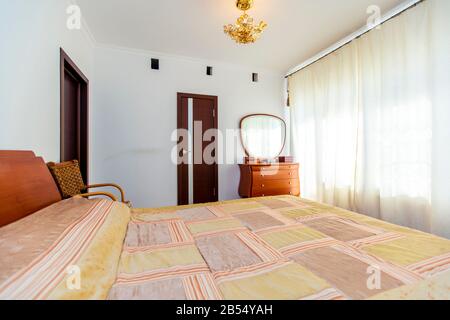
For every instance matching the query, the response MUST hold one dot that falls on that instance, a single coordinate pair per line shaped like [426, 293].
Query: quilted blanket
[277, 248]
[265, 248]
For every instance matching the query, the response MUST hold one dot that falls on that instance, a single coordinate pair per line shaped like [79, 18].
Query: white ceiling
[298, 29]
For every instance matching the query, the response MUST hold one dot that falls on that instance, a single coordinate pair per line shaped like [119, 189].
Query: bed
[254, 249]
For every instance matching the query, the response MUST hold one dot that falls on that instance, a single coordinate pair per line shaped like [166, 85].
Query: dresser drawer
[276, 192]
[274, 168]
[275, 175]
[276, 184]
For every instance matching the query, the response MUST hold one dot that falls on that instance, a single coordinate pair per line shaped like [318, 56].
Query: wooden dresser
[260, 180]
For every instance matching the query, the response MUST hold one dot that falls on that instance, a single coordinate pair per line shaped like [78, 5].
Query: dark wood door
[74, 114]
[71, 116]
[204, 179]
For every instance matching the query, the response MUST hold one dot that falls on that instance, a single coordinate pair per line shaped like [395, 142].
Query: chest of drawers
[259, 180]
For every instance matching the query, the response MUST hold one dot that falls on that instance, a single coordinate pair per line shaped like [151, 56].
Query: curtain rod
[389, 16]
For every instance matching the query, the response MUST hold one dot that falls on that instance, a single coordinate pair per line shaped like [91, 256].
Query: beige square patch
[258, 220]
[196, 214]
[275, 203]
[147, 234]
[286, 281]
[226, 252]
[344, 272]
[168, 289]
[150, 234]
[338, 230]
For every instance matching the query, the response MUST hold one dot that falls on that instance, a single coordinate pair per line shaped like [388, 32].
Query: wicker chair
[70, 182]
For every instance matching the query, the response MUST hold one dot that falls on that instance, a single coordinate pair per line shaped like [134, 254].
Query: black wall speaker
[155, 64]
[209, 71]
[255, 77]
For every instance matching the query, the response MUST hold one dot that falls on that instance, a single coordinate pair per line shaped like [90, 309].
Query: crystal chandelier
[244, 31]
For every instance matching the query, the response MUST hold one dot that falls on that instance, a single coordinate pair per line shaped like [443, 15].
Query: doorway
[74, 134]
[198, 177]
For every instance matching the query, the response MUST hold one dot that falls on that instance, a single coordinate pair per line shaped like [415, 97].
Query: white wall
[132, 109]
[135, 114]
[31, 33]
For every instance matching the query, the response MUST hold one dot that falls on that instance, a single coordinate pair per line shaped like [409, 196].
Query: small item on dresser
[250, 160]
[286, 159]
[253, 160]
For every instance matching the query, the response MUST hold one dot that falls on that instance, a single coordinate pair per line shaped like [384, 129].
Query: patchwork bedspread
[266, 248]
[277, 248]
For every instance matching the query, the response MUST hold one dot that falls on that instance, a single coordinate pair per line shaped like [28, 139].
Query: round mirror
[263, 136]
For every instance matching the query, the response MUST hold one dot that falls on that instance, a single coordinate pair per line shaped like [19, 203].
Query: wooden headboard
[26, 185]
[17, 154]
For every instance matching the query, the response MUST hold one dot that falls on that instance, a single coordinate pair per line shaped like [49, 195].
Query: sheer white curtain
[362, 120]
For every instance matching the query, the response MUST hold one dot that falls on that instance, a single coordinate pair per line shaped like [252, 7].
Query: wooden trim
[65, 58]
[96, 194]
[183, 188]
[113, 185]
[216, 125]
[16, 154]
[268, 115]
[67, 64]
[197, 96]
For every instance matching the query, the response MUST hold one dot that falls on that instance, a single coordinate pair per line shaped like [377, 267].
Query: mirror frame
[267, 115]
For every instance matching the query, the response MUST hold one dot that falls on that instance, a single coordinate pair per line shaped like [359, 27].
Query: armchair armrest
[94, 194]
[102, 185]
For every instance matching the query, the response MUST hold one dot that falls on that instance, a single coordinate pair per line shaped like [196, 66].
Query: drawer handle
[263, 186]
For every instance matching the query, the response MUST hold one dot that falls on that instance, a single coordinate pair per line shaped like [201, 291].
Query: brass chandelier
[245, 31]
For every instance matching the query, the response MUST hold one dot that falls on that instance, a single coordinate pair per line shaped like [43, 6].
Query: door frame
[68, 65]
[183, 188]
